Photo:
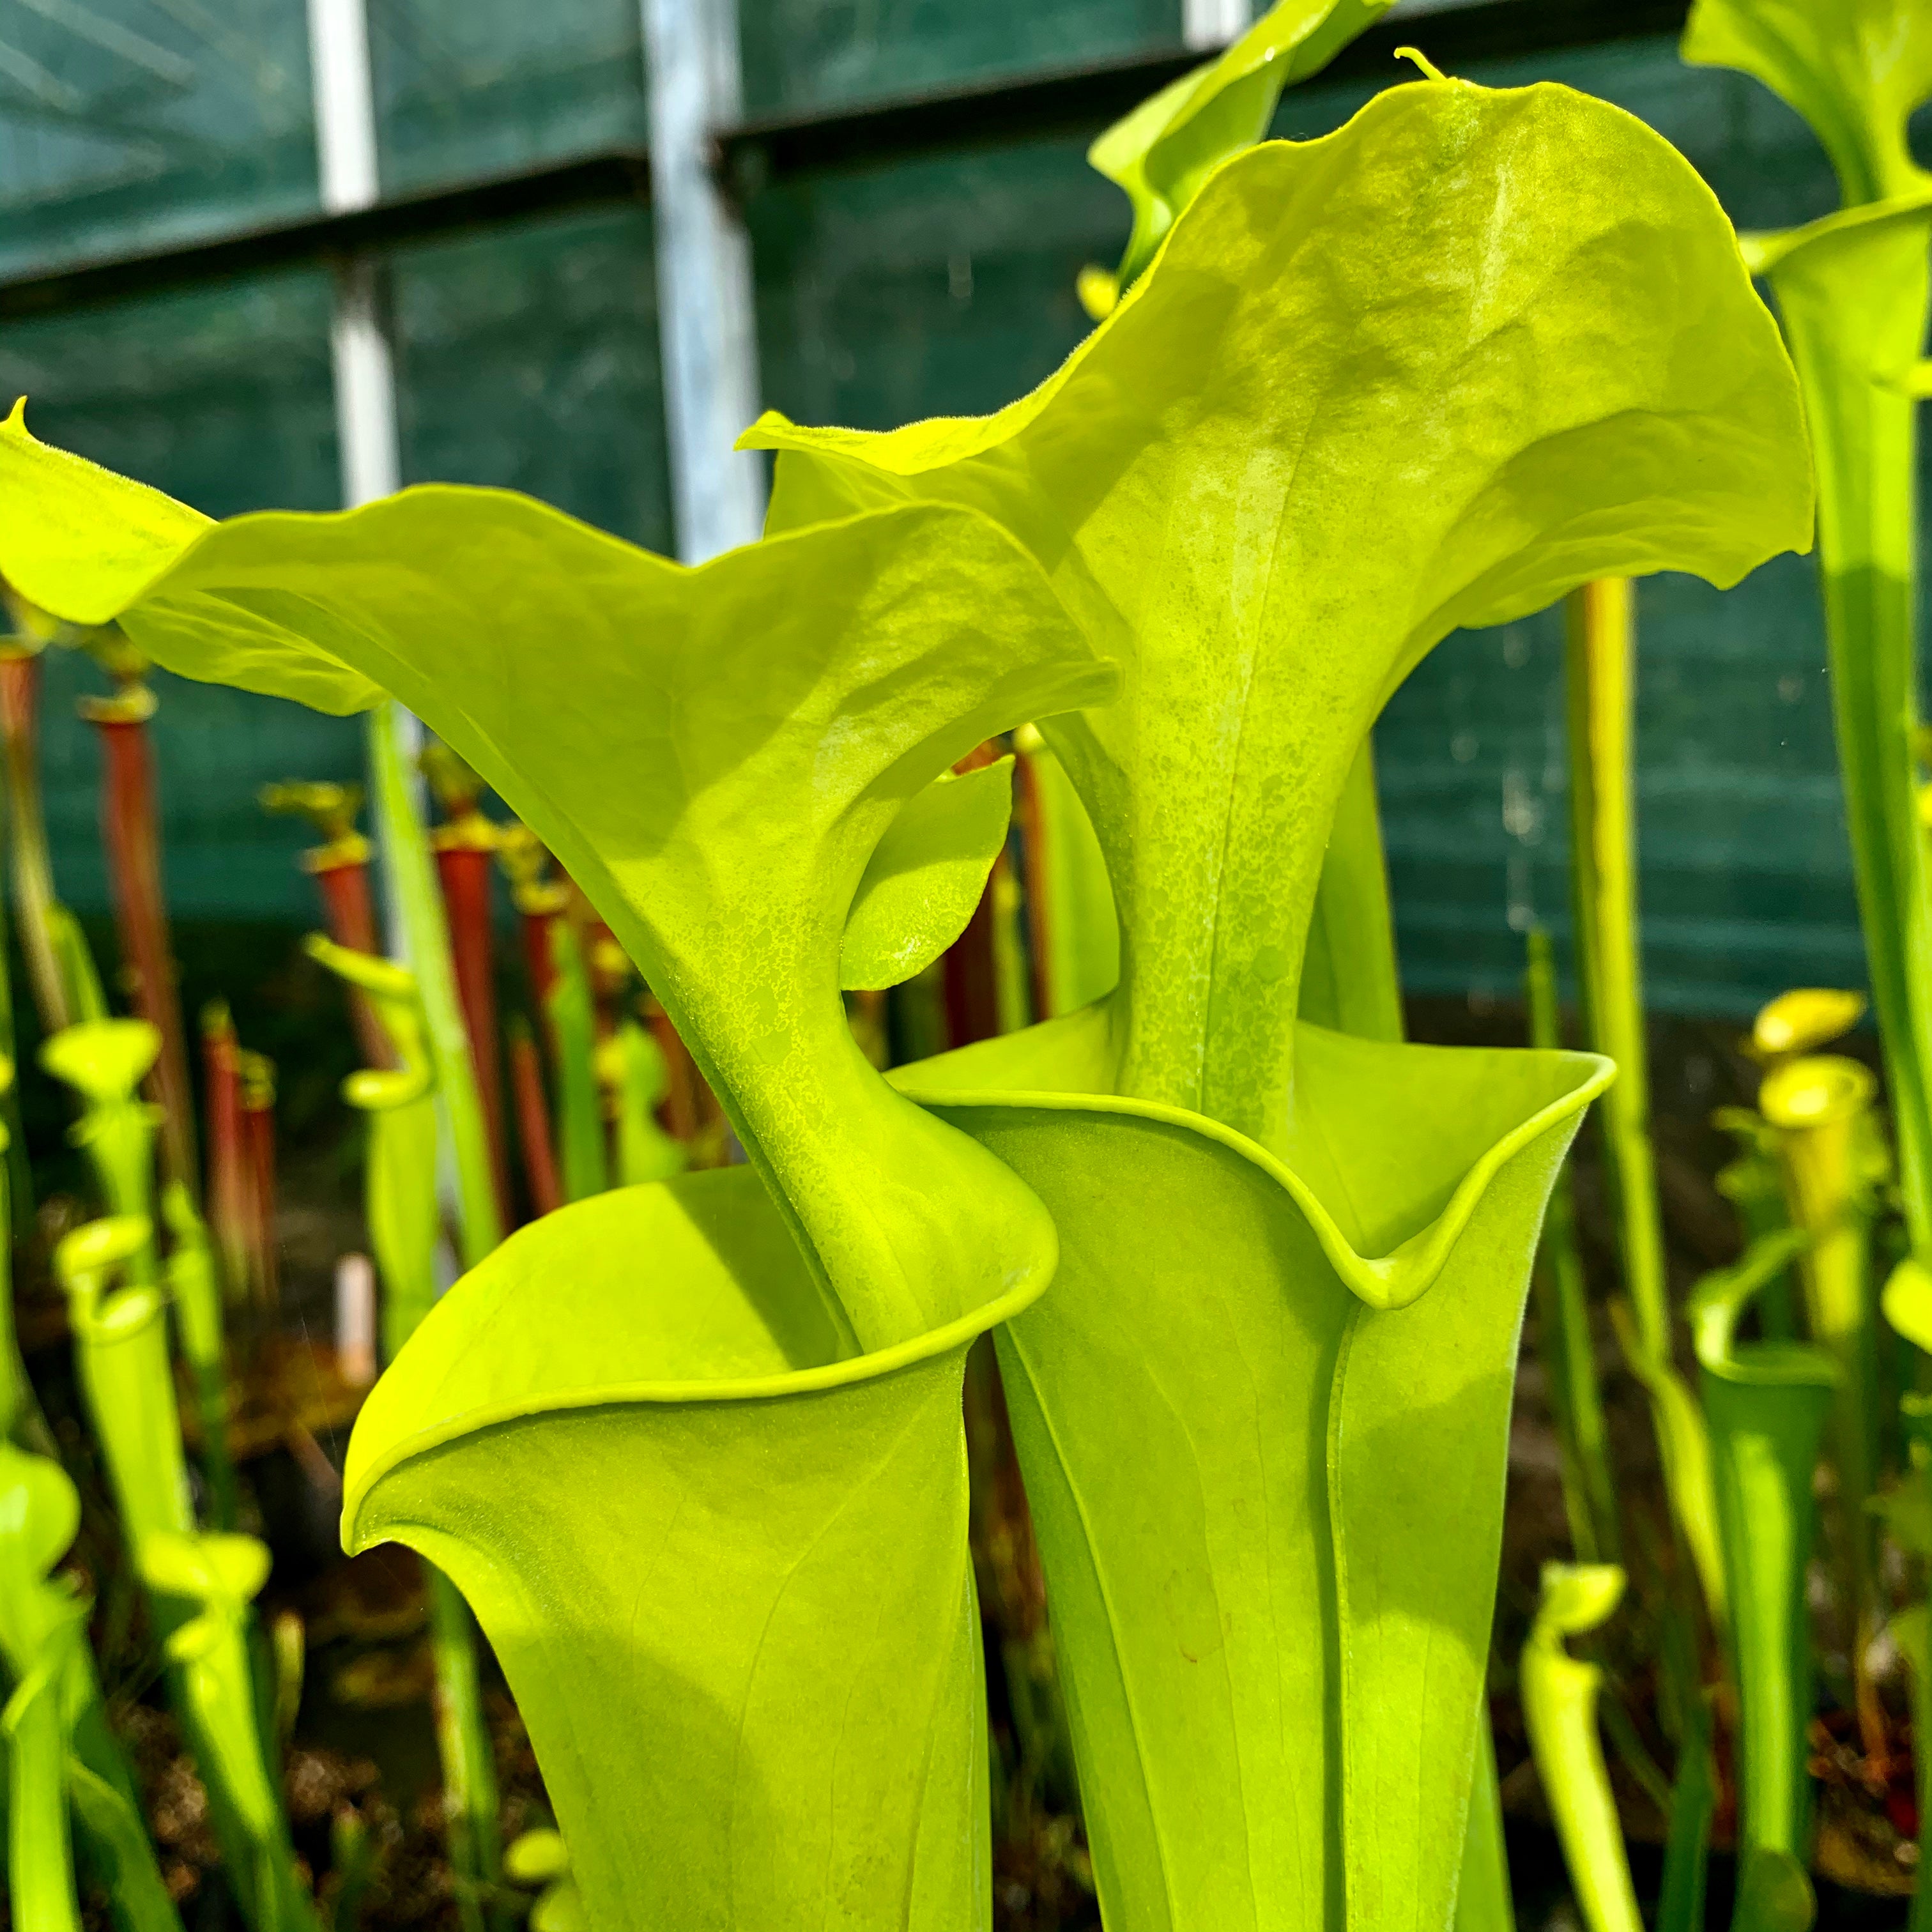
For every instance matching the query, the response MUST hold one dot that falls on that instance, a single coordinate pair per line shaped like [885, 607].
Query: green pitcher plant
[633, 1068]
[65, 1766]
[1853, 291]
[1601, 678]
[1834, 1164]
[200, 1584]
[1559, 1707]
[692, 1449]
[1211, 624]
[1159, 154]
[104, 1061]
[1766, 1404]
[400, 1191]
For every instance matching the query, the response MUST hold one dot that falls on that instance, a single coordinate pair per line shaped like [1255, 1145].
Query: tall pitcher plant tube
[1853, 291]
[403, 1218]
[199, 1585]
[1767, 1403]
[1345, 410]
[131, 831]
[791, 1729]
[1260, 1221]
[1601, 681]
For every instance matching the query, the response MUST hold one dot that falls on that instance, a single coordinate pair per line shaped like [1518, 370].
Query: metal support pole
[366, 438]
[347, 158]
[705, 317]
[1208, 26]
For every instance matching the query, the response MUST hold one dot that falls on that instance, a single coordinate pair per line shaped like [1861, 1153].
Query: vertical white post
[705, 318]
[346, 154]
[1208, 26]
[348, 163]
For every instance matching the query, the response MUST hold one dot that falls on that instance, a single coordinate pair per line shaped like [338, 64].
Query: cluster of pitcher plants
[688, 1445]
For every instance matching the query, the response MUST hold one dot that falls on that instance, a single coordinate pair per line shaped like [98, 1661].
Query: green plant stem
[195, 1293]
[425, 943]
[573, 1032]
[86, 997]
[1601, 675]
[1854, 305]
[462, 1738]
[402, 1214]
[1073, 930]
[120, 1348]
[104, 1062]
[1911, 1631]
[645, 1152]
[1601, 678]
[1559, 1707]
[1693, 1803]
[1563, 1318]
[1820, 1104]
[1767, 1404]
[40, 1859]
[27, 837]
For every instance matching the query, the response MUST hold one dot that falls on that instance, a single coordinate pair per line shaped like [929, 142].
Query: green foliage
[1766, 1403]
[1348, 519]
[105, 1061]
[692, 1450]
[1853, 293]
[1330, 1333]
[572, 1014]
[199, 1585]
[1559, 1706]
[725, 1571]
[195, 1294]
[640, 1080]
[1393, 1171]
[1161, 153]
[424, 941]
[400, 1169]
[702, 708]
[1855, 69]
[1074, 924]
[404, 1225]
[921, 886]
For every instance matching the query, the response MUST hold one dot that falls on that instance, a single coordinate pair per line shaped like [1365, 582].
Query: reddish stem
[679, 1111]
[346, 903]
[140, 912]
[537, 959]
[230, 1185]
[533, 1129]
[351, 916]
[33, 874]
[465, 870]
[258, 1106]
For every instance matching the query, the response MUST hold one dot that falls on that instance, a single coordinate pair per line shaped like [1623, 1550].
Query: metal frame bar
[707, 325]
[758, 150]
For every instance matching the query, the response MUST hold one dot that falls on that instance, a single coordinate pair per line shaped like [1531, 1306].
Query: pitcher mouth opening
[414, 1408]
[1398, 1269]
